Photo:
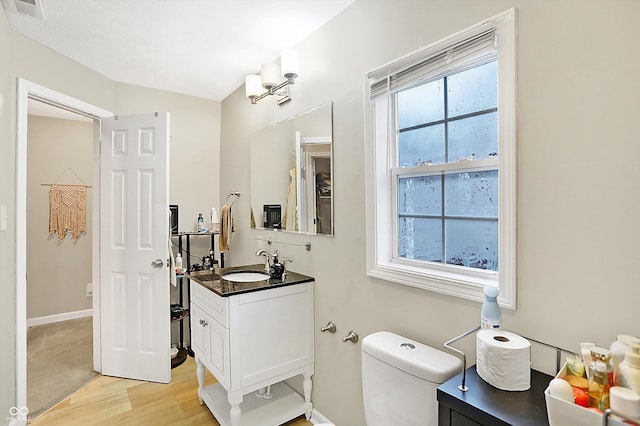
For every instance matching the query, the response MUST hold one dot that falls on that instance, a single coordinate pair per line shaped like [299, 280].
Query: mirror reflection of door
[315, 182]
[322, 166]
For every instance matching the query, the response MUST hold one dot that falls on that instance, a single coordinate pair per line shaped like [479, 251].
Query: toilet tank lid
[422, 361]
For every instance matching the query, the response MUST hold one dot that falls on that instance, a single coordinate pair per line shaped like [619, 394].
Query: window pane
[420, 195]
[472, 90]
[472, 243]
[420, 239]
[421, 146]
[472, 194]
[421, 104]
[477, 136]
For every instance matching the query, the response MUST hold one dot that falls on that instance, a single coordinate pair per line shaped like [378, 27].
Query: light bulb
[252, 85]
[270, 75]
[289, 63]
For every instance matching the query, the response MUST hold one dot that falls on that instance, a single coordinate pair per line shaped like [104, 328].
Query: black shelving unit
[184, 350]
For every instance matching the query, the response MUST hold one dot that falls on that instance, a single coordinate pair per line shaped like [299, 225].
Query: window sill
[449, 283]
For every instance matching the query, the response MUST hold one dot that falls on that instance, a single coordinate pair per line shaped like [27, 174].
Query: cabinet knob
[203, 323]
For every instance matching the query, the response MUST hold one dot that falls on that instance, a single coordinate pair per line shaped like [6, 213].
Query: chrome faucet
[269, 255]
[264, 252]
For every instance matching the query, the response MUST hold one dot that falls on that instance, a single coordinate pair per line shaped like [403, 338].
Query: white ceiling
[202, 48]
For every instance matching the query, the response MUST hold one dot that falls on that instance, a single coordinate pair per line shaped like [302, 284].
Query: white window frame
[381, 211]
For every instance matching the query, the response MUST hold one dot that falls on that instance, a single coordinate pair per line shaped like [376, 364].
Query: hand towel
[227, 226]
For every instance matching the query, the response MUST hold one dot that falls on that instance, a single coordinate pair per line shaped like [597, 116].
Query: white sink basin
[245, 277]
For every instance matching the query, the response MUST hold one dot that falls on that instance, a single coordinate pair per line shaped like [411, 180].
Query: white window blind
[471, 51]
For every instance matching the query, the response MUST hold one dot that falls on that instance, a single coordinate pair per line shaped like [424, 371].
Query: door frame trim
[28, 90]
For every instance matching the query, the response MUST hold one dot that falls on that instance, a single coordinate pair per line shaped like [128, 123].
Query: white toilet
[399, 380]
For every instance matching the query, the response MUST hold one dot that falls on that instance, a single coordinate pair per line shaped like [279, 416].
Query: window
[441, 165]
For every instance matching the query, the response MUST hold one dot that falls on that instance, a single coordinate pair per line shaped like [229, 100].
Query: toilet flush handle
[352, 336]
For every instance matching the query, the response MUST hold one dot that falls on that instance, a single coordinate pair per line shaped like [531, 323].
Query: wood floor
[112, 401]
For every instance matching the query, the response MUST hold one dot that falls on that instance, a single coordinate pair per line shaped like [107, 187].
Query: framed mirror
[291, 174]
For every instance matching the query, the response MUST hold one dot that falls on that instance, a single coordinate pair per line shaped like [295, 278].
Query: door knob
[158, 263]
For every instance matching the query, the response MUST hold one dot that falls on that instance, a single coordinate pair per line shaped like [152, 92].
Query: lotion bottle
[630, 370]
[490, 316]
[215, 222]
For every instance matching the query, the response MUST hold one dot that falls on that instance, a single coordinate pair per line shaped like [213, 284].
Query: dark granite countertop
[212, 280]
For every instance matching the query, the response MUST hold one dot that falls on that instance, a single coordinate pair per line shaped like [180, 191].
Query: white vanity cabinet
[251, 341]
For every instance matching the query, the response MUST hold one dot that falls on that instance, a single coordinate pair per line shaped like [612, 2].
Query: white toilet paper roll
[503, 359]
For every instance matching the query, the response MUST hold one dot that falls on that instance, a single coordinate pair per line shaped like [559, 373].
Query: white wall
[58, 271]
[578, 199]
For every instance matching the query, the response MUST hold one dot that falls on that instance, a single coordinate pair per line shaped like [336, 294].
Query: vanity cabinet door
[218, 352]
[198, 317]
[211, 344]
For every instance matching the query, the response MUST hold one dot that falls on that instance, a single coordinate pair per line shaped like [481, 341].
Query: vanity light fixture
[270, 78]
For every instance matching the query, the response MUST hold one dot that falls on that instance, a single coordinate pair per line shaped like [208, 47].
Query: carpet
[59, 362]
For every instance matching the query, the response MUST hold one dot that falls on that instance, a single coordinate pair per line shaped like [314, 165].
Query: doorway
[59, 276]
[26, 91]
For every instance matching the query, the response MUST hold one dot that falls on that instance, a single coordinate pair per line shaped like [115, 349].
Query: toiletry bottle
[630, 370]
[490, 316]
[604, 355]
[277, 269]
[618, 350]
[585, 351]
[178, 264]
[599, 386]
[215, 222]
[200, 223]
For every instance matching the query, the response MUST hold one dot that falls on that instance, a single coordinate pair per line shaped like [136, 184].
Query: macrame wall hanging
[67, 210]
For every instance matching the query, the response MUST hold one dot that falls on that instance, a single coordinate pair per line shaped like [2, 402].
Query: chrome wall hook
[330, 327]
[352, 336]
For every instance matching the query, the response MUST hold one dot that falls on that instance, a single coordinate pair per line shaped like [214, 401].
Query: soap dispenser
[277, 269]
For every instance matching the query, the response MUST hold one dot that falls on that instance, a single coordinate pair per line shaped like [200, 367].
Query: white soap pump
[490, 316]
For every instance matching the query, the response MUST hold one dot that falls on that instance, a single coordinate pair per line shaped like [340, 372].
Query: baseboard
[317, 417]
[49, 319]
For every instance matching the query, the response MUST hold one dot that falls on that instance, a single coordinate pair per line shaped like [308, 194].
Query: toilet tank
[399, 380]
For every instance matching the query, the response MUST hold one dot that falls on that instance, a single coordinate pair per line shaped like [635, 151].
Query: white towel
[172, 266]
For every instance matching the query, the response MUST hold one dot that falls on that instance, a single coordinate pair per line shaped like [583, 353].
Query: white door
[134, 232]
[301, 187]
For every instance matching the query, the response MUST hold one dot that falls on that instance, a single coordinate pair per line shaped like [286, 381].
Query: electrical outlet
[89, 289]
